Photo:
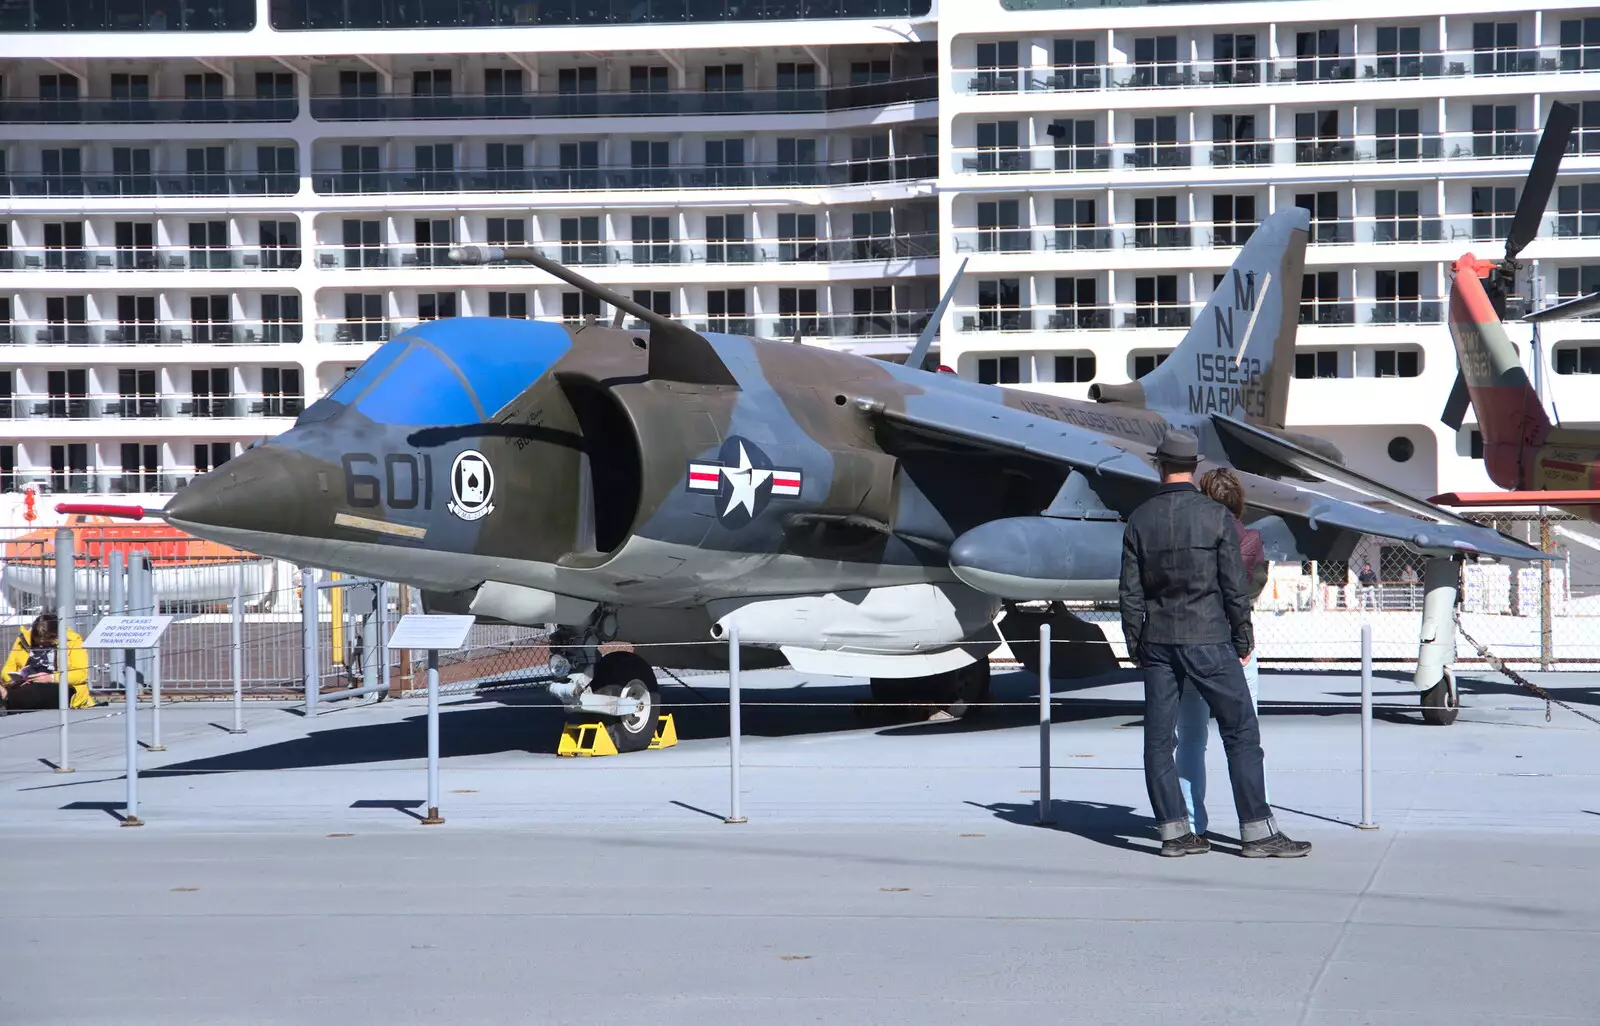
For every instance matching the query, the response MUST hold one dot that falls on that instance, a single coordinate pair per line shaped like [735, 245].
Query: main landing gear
[939, 697]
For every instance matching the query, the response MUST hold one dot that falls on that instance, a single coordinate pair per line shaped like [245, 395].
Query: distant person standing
[1186, 618]
[1368, 579]
[1194, 716]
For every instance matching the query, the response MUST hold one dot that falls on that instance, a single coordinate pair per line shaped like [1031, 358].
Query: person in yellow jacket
[29, 680]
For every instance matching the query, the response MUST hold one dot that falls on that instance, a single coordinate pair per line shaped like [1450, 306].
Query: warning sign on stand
[128, 632]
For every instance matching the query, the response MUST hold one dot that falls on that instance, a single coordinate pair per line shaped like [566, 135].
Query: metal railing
[624, 177]
[1232, 73]
[101, 405]
[150, 258]
[1365, 148]
[149, 333]
[92, 186]
[109, 110]
[842, 326]
[914, 246]
[671, 103]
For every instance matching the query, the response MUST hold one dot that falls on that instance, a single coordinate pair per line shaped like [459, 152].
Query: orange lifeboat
[187, 569]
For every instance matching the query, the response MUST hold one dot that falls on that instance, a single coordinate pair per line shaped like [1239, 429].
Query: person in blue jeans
[1194, 716]
[1185, 610]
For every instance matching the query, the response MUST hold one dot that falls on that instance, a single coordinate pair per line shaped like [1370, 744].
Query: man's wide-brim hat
[1179, 448]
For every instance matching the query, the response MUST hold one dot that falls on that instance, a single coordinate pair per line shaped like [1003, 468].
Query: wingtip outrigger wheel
[1440, 702]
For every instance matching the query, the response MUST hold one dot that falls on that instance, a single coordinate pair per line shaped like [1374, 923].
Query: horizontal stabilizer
[1551, 498]
[1295, 457]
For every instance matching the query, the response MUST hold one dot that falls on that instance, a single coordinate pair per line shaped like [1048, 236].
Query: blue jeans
[1194, 724]
[1214, 671]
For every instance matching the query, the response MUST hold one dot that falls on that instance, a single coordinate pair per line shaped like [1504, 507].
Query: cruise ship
[213, 214]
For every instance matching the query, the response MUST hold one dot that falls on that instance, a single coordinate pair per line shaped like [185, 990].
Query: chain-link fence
[197, 581]
[1539, 616]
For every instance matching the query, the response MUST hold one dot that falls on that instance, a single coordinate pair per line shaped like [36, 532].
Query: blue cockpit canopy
[457, 371]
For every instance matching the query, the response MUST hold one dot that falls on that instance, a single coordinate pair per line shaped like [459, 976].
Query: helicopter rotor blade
[1541, 179]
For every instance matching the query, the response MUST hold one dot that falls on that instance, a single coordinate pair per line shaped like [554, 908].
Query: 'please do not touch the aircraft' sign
[431, 631]
[128, 632]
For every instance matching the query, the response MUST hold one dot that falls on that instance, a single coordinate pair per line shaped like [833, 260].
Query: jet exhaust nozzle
[1041, 558]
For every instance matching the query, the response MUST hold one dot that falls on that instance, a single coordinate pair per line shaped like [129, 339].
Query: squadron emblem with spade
[471, 486]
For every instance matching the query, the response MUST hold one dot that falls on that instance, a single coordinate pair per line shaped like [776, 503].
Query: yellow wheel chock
[666, 733]
[592, 739]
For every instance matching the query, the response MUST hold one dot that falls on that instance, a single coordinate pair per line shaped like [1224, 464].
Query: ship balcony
[105, 110]
[103, 406]
[672, 177]
[1458, 152]
[652, 253]
[405, 107]
[92, 186]
[57, 334]
[101, 259]
[1282, 72]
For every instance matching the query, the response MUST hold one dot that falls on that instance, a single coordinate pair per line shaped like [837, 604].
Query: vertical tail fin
[1511, 417]
[1238, 357]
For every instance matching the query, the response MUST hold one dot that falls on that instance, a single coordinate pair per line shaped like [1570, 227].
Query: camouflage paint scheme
[602, 445]
[1522, 449]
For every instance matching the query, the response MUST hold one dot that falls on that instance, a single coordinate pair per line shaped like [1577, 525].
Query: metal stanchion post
[433, 817]
[382, 613]
[155, 699]
[117, 566]
[735, 815]
[1044, 724]
[308, 630]
[1366, 729]
[66, 608]
[236, 620]
[116, 607]
[141, 602]
[1547, 637]
[130, 691]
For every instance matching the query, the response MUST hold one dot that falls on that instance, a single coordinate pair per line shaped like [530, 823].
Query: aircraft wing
[961, 422]
[1295, 457]
[1550, 498]
[1317, 510]
[971, 423]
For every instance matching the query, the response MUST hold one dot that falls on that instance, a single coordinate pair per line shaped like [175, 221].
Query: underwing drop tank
[1039, 558]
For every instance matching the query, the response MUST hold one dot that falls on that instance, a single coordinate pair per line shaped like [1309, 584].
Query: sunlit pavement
[888, 873]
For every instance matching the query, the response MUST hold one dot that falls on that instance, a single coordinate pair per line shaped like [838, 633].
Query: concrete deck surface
[888, 874]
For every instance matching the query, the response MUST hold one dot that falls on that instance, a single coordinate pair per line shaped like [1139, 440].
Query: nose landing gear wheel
[626, 675]
[1440, 703]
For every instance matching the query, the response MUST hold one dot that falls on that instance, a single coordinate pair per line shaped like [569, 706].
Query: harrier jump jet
[653, 484]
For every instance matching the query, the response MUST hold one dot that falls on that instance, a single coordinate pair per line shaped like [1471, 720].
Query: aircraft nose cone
[248, 493]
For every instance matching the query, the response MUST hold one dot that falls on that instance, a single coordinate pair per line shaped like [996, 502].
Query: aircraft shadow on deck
[530, 721]
[1495, 686]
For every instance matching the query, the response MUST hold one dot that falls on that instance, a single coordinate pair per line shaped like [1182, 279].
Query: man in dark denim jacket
[1186, 617]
